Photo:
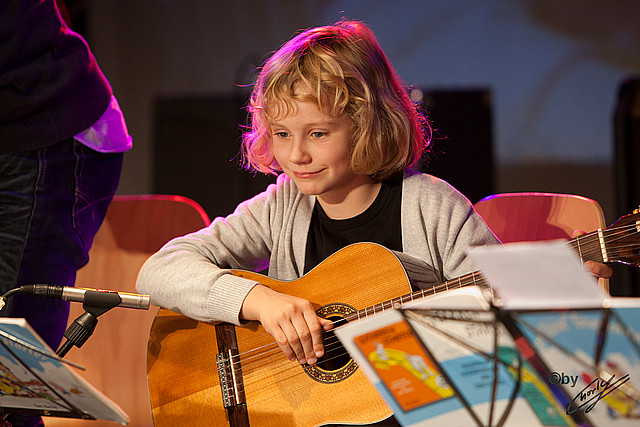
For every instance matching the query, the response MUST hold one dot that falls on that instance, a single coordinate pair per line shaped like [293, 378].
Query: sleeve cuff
[226, 297]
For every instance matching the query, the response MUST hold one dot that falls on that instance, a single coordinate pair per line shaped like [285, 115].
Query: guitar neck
[474, 278]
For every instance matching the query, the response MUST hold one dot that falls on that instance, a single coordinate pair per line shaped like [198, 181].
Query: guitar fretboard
[474, 278]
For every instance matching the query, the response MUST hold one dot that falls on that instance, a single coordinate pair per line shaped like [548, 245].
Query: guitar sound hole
[335, 355]
[336, 364]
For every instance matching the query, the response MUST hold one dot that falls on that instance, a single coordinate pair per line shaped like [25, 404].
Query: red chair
[518, 217]
[115, 356]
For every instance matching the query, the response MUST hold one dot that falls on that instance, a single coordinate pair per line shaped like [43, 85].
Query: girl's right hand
[292, 322]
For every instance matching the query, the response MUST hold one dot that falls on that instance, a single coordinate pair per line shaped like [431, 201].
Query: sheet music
[537, 275]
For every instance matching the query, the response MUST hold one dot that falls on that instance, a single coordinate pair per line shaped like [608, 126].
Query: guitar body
[184, 384]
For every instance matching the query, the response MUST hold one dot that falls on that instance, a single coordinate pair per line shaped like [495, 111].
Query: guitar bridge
[230, 375]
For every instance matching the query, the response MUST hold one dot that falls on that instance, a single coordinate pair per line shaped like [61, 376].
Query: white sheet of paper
[537, 275]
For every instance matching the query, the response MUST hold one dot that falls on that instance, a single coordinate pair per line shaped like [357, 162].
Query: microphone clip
[81, 329]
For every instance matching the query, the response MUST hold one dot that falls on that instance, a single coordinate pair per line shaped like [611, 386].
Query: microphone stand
[78, 332]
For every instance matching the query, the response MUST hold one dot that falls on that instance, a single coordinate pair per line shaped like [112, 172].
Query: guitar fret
[579, 249]
[603, 247]
[591, 247]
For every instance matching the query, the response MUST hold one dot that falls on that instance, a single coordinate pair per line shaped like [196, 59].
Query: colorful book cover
[403, 365]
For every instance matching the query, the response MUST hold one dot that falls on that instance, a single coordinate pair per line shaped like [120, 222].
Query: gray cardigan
[270, 230]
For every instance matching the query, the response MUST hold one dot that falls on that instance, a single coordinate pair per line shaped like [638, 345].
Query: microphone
[92, 297]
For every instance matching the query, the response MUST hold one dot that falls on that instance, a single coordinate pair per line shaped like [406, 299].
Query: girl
[330, 116]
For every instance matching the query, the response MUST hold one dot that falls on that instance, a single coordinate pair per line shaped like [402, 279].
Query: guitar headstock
[623, 240]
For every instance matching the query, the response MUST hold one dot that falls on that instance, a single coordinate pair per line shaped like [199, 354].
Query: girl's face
[312, 148]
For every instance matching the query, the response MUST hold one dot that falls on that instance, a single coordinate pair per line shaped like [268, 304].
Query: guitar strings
[592, 246]
[329, 342]
[258, 355]
[624, 233]
[290, 371]
[279, 369]
[259, 352]
[262, 355]
[273, 349]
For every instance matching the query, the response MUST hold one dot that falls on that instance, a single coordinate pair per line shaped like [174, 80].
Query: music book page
[537, 275]
[33, 379]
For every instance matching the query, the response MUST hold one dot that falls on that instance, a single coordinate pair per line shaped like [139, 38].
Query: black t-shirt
[380, 223]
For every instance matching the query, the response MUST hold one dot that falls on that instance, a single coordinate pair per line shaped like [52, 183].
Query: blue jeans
[52, 202]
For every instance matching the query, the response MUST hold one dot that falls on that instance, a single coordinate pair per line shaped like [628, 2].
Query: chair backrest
[115, 357]
[519, 217]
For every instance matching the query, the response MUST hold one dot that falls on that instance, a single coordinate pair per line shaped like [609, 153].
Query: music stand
[35, 381]
[504, 367]
[466, 349]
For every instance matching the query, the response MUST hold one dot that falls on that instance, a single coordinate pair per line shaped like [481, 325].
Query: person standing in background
[62, 139]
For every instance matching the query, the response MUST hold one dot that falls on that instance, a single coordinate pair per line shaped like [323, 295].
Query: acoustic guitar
[202, 374]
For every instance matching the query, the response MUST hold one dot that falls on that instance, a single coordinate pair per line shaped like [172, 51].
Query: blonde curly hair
[345, 71]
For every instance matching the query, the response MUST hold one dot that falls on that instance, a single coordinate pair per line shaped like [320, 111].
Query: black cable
[78, 332]
[9, 293]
